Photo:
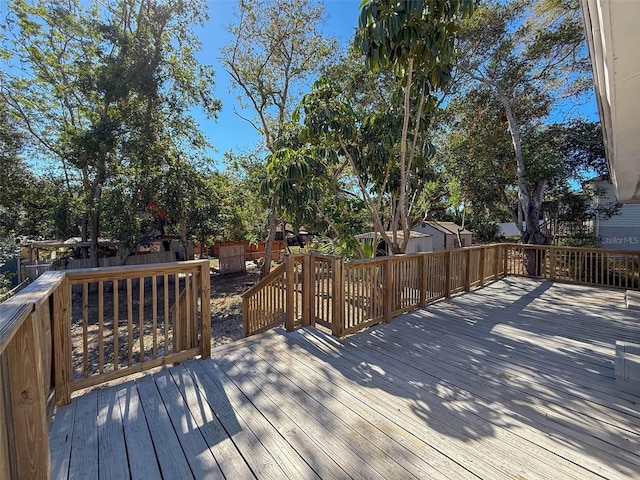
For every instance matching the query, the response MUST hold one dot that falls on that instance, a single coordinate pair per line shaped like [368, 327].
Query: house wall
[419, 245]
[451, 241]
[437, 237]
[621, 231]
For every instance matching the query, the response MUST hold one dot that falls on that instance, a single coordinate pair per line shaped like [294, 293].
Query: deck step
[632, 298]
[628, 367]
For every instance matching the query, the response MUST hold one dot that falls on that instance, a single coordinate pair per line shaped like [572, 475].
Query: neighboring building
[445, 234]
[620, 231]
[508, 229]
[418, 242]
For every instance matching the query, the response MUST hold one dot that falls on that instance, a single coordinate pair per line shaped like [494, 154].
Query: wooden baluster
[85, 329]
[100, 327]
[129, 323]
[154, 314]
[116, 325]
[205, 309]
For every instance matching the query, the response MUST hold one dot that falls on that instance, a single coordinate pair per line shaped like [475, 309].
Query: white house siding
[420, 245]
[622, 231]
[438, 238]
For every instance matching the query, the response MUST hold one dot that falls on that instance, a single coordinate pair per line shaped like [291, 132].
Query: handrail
[276, 272]
[347, 296]
[37, 349]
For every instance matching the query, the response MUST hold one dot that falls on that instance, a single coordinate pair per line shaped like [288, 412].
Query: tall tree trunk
[273, 224]
[95, 225]
[531, 202]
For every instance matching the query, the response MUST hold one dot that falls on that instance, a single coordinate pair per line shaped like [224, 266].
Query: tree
[276, 47]
[416, 40]
[109, 87]
[527, 56]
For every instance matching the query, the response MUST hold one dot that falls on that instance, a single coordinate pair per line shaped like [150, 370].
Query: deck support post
[337, 286]
[290, 292]
[24, 401]
[205, 309]
[62, 342]
[423, 280]
[447, 274]
[388, 289]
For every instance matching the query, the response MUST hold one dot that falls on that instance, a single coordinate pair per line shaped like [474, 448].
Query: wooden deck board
[358, 446]
[514, 380]
[142, 459]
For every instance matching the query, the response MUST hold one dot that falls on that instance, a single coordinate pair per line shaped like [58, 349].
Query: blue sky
[230, 132]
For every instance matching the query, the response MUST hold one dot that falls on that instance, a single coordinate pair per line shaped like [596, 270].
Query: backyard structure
[407, 286]
[446, 235]
[418, 242]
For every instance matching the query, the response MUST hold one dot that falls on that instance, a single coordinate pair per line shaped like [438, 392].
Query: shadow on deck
[514, 380]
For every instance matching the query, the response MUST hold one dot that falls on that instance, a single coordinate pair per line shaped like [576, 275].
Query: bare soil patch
[226, 305]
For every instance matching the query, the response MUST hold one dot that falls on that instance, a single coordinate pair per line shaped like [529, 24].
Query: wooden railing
[349, 296]
[586, 266]
[69, 330]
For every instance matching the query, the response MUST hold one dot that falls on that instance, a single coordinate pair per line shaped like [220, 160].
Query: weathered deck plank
[142, 459]
[224, 450]
[514, 380]
[111, 443]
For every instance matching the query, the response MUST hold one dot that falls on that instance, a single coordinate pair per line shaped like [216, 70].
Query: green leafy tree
[526, 56]
[276, 47]
[108, 87]
[416, 40]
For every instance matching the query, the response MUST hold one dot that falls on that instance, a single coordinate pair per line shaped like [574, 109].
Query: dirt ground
[226, 305]
[226, 320]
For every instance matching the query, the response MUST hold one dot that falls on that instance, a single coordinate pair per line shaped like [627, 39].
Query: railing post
[306, 290]
[467, 278]
[25, 403]
[290, 292]
[388, 289]
[552, 263]
[62, 342]
[483, 251]
[447, 274]
[205, 309]
[337, 305]
[423, 280]
[505, 260]
[245, 316]
[312, 291]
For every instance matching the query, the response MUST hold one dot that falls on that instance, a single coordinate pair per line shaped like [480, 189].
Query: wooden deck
[514, 380]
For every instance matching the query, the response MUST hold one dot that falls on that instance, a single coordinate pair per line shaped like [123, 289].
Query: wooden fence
[349, 296]
[70, 330]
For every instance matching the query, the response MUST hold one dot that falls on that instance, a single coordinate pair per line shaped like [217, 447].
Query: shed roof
[400, 235]
[448, 228]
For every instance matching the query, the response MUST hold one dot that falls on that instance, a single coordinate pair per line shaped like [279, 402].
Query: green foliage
[520, 61]
[109, 89]
[580, 239]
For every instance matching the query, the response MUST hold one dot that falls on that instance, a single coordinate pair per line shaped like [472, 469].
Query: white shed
[445, 234]
[418, 242]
